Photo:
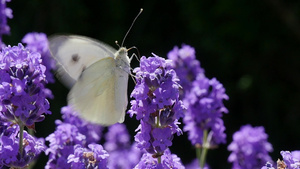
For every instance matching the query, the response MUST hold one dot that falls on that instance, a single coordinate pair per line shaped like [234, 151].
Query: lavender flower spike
[22, 81]
[156, 105]
[4, 14]
[205, 111]
[38, 42]
[250, 148]
[186, 66]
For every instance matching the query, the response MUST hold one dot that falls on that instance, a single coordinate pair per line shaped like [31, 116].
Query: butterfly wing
[75, 53]
[100, 93]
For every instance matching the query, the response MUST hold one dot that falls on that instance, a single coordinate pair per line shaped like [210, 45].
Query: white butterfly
[97, 75]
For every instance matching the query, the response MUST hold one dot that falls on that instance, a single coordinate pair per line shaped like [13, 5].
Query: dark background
[252, 47]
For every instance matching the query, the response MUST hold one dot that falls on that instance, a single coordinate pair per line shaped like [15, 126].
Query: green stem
[32, 164]
[198, 153]
[158, 125]
[159, 159]
[204, 149]
[21, 139]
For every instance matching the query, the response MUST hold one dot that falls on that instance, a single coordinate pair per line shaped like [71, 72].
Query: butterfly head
[121, 54]
[122, 60]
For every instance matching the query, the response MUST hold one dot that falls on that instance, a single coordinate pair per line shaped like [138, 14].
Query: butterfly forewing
[76, 53]
[97, 75]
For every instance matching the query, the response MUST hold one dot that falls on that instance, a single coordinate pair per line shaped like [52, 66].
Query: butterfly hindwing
[96, 94]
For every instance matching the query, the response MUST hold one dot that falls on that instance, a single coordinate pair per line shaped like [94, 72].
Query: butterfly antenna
[117, 43]
[131, 25]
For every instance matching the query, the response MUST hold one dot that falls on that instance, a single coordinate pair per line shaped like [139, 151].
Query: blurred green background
[252, 47]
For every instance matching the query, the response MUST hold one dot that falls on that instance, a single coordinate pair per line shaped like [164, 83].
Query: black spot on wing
[75, 58]
[75, 61]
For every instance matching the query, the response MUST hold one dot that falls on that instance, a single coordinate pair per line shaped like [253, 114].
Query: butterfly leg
[138, 56]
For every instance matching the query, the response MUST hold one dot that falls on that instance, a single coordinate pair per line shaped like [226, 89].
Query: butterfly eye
[75, 58]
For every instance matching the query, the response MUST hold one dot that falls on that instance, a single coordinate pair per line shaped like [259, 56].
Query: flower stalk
[204, 149]
[21, 139]
[158, 126]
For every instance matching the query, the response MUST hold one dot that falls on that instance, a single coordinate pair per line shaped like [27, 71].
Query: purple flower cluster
[203, 98]
[156, 104]
[117, 137]
[4, 14]
[22, 84]
[10, 155]
[122, 154]
[168, 161]
[91, 131]
[296, 154]
[291, 160]
[73, 142]
[38, 42]
[250, 148]
[61, 145]
[205, 109]
[186, 66]
[92, 157]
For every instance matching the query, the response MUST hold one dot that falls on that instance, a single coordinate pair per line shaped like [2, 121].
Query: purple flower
[9, 147]
[92, 157]
[144, 138]
[38, 42]
[250, 148]
[22, 85]
[162, 139]
[91, 131]
[62, 143]
[124, 158]
[296, 154]
[202, 97]
[70, 132]
[156, 104]
[117, 137]
[121, 153]
[291, 159]
[186, 66]
[4, 14]
[168, 161]
[205, 109]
